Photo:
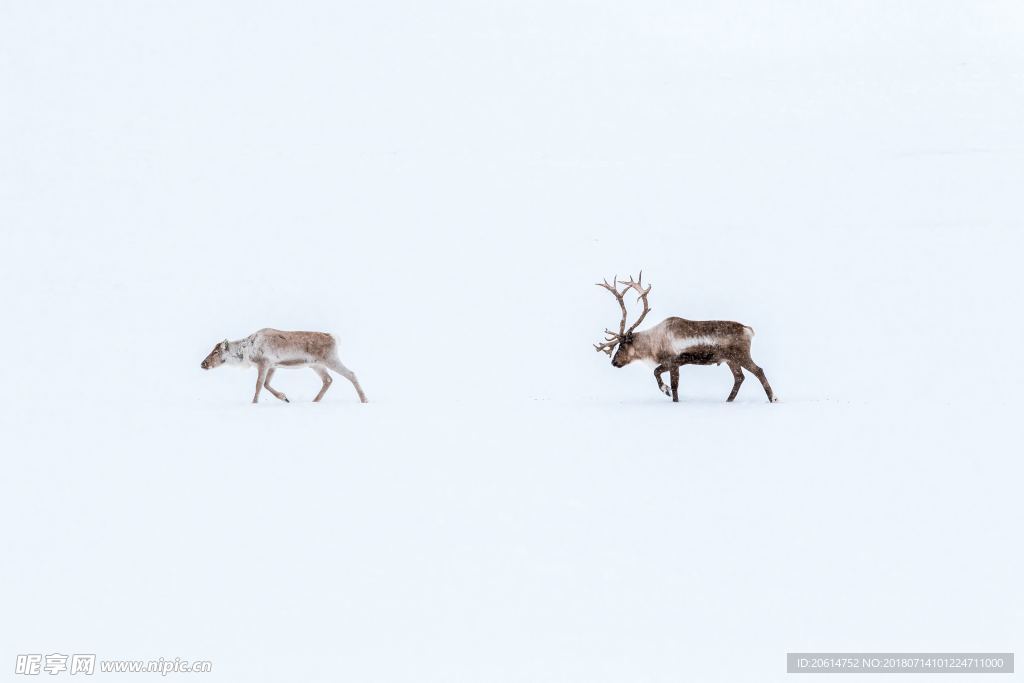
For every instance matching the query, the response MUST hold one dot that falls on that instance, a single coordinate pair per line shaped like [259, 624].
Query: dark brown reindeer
[677, 341]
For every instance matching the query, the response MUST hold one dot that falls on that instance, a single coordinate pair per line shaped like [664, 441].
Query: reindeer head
[623, 338]
[217, 357]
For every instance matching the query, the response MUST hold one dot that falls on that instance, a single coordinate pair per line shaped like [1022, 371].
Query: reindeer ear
[224, 344]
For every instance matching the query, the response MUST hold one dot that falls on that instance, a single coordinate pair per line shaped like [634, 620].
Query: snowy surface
[439, 185]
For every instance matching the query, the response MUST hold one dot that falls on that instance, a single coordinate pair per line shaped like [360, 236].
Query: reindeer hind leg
[326, 377]
[749, 364]
[339, 367]
[737, 380]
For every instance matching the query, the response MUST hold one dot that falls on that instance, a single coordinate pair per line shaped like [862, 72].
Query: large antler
[613, 338]
[609, 343]
[643, 296]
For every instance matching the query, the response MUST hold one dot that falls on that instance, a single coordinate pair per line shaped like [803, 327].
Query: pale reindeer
[676, 341]
[270, 349]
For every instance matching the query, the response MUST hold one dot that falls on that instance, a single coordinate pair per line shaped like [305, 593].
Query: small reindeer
[271, 349]
[676, 341]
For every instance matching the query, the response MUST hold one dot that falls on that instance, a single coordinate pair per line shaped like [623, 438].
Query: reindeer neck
[644, 344]
[240, 352]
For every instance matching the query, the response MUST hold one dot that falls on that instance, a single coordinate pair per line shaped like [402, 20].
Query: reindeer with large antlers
[676, 341]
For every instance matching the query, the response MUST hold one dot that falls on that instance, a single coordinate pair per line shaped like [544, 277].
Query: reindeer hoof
[285, 399]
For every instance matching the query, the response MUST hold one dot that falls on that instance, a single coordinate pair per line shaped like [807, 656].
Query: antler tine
[611, 339]
[611, 287]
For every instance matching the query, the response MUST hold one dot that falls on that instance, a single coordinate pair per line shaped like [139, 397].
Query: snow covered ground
[440, 185]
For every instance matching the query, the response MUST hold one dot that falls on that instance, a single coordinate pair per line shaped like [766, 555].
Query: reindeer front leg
[658, 372]
[260, 379]
[674, 377]
[277, 394]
